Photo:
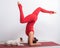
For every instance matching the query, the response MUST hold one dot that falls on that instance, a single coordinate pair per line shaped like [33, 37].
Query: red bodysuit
[31, 18]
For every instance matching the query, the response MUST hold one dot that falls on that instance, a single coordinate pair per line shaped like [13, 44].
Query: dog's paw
[20, 44]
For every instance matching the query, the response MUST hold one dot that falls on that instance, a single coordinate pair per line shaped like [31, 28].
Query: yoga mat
[43, 44]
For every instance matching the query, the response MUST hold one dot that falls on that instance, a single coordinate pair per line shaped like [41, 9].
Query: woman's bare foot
[18, 2]
[52, 12]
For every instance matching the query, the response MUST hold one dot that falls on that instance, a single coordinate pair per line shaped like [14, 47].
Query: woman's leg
[22, 18]
[39, 9]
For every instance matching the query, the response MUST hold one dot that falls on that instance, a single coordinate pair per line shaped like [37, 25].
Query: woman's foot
[18, 2]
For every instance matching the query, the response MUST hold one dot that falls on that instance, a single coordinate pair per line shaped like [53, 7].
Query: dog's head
[20, 39]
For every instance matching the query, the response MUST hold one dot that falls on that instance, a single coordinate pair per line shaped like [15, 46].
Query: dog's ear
[21, 39]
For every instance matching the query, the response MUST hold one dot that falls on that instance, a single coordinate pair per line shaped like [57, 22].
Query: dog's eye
[21, 39]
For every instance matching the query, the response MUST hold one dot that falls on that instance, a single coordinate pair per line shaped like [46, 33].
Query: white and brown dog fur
[17, 42]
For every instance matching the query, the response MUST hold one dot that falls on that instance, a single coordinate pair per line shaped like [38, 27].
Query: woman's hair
[35, 40]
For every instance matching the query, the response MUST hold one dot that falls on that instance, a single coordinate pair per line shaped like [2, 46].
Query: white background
[47, 27]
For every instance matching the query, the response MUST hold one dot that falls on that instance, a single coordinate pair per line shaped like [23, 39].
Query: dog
[17, 42]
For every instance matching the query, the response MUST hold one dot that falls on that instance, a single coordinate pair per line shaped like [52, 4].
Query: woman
[30, 20]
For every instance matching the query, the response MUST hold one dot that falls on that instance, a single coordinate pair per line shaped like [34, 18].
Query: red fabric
[31, 18]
